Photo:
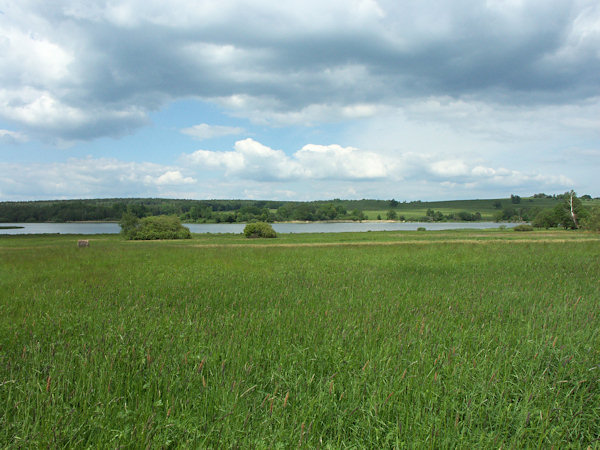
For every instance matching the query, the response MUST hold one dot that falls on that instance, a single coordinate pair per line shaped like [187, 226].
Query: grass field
[487, 208]
[429, 339]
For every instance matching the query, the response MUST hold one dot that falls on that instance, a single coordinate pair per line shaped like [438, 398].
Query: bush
[592, 221]
[129, 223]
[523, 227]
[546, 218]
[421, 229]
[153, 228]
[259, 230]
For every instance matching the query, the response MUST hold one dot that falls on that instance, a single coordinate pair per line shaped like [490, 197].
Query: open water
[327, 227]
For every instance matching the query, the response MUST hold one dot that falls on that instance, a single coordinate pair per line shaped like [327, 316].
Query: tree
[393, 203]
[357, 215]
[392, 215]
[592, 221]
[129, 224]
[570, 211]
[545, 219]
[466, 216]
[515, 199]
[303, 211]
[327, 212]
[283, 213]
[438, 216]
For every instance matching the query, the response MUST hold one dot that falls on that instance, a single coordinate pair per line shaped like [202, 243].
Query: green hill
[214, 211]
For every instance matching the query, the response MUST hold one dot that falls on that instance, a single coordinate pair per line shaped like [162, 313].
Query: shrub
[546, 218]
[129, 223]
[259, 230]
[592, 221]
[421, 229]
[523, 227]
[155, 227]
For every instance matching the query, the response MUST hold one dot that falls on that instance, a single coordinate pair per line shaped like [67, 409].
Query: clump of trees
[570, 214]
[153, 227]
[511, 214]
[545, 219]
[592, 221]
[438, 216]
[259, 230]
[570, 211]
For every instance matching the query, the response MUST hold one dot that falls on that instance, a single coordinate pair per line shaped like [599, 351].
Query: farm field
[380, 339]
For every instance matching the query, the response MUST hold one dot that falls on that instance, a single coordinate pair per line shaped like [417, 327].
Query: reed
[463, 339]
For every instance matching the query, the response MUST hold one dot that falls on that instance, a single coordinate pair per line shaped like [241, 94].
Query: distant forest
[232, 211]
[214, 211]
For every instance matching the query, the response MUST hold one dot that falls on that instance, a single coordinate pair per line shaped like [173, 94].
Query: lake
[331, 227]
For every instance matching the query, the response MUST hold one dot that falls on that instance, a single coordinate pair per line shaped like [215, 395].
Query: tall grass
[168, 344]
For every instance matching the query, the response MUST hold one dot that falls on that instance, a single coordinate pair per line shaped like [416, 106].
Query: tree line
[209, 211]
[541, 209]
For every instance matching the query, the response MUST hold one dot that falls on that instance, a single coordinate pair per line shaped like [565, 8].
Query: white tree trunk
[573, 215]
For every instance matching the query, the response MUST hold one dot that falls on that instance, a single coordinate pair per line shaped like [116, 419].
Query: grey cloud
[527, 53]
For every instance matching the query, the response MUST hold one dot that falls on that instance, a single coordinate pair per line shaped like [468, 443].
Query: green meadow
[488, 208]
[487, 338]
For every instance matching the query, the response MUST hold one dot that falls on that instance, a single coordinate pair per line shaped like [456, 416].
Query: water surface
[327, 227]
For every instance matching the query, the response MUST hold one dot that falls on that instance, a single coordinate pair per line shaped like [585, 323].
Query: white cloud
[254, 170]
[334, 161]
[169, 178]
[91, 177]
[32, 59]
[253, 160]
[250, 159]
[450, 168]
[204, 131]
[12, 136]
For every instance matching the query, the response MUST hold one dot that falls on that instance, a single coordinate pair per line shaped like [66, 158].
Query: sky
[290, 100]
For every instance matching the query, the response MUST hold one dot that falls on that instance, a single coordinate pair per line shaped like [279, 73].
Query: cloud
[91, 178]
[12, 137]
[253, 170]
[55, 121]
[99, 69]
[170, 177]
[343, 163]
[204, 131]
[252, 160]
[452, 168]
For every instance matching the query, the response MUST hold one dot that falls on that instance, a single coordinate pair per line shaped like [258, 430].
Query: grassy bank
[372, 339]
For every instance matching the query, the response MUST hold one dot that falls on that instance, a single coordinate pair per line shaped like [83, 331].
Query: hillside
[514, 208]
